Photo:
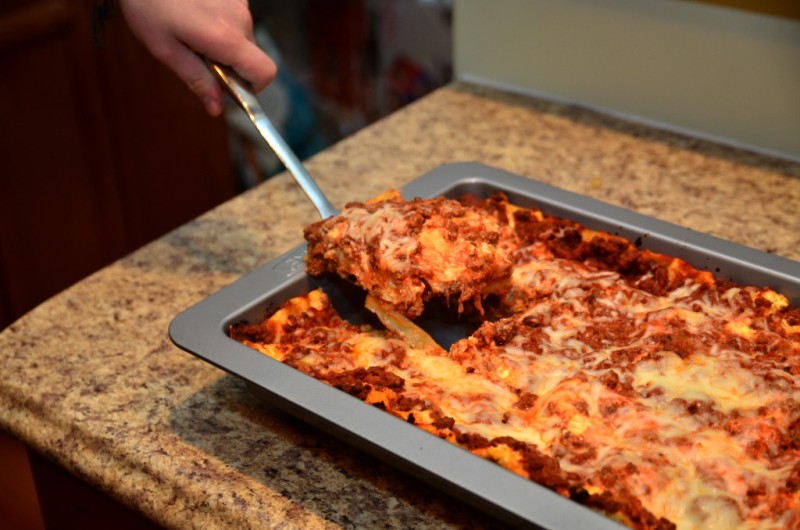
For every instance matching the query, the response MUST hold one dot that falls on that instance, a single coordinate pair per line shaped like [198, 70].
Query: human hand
[178, 32]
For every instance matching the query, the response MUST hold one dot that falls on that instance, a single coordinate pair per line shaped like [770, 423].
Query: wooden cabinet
[102, 149]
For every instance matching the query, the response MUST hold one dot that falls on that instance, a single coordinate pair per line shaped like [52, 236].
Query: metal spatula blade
[244, 96]
[246, 99]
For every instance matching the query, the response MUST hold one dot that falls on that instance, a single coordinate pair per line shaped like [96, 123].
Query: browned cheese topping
[405, 252]
[626, 380]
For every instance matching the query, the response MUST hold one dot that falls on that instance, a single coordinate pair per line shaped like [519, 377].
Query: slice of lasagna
[626, 380]
[406, 252]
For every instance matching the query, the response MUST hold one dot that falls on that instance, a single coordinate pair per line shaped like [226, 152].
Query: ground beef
[361, 381]
[626, 505]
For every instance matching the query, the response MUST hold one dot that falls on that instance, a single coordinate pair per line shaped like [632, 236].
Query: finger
[194, 72]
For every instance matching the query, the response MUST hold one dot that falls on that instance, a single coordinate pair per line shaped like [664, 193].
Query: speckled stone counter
[92, 381]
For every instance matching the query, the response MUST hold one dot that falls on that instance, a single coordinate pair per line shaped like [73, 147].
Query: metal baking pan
[202, 330]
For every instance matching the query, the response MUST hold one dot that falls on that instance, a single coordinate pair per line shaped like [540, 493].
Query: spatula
[243, 95]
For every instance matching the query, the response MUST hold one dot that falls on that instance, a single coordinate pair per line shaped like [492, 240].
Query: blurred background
[341, 66]
[103, 149]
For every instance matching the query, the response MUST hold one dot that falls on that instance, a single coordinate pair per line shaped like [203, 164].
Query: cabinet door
[101, 150]
[59, 218]
[171, 159]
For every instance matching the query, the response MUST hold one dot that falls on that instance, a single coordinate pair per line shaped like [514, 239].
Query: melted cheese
[722, 382]
[402, 252]
[684, 399]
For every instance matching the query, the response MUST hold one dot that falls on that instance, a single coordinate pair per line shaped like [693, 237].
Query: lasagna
[628, 381]
[406, 252]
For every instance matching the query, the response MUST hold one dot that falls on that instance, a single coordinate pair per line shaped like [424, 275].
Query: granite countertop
[92, 381]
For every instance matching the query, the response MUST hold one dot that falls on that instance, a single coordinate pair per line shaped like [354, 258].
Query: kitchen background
[728, 70]
[103, 149]
[346, 66]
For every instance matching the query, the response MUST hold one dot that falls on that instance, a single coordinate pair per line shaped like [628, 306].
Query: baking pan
[203, 331]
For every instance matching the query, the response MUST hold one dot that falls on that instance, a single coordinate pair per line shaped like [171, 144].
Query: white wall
[717, 72]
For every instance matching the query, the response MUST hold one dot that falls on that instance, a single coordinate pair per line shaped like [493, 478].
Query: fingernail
[213, 106]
